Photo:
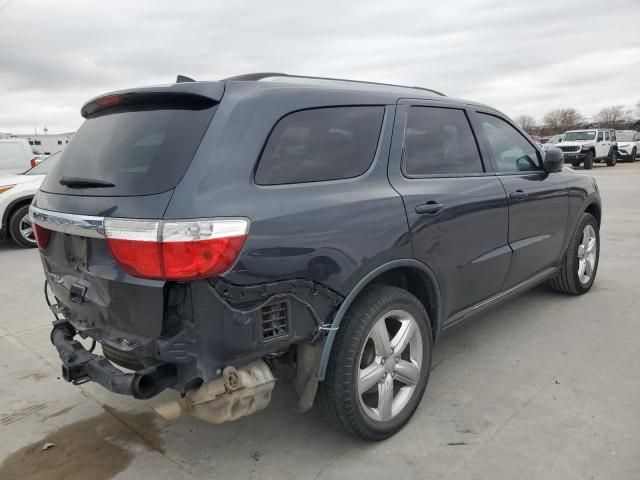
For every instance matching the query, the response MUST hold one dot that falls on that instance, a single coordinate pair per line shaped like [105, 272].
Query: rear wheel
[612, 158]
[21, 229]
[588, 161]
[580, 264]
[379, 365]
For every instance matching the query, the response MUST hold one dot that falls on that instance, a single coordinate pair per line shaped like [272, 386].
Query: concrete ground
[544, 387]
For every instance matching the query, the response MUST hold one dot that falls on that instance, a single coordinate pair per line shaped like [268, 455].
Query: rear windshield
[140, 152]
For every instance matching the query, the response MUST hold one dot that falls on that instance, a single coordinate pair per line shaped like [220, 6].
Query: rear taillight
[34, 162]
[179, 250]
[42, 235]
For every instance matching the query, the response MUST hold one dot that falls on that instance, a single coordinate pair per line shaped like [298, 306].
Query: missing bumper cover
[80, 366]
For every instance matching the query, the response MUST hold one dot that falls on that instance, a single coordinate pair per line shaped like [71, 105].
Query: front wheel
[611, 159]
[379, 365]
[588, 161]
[580, 264]
[21, 229]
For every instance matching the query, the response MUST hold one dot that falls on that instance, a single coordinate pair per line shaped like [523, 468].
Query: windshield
[578, 136]
[45, 165]
[624, 136]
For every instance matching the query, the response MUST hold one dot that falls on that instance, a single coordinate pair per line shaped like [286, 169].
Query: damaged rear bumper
[80, 365]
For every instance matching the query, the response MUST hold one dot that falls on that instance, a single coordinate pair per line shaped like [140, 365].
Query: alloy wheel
[587, 251]
[390, 365]
[25, 228]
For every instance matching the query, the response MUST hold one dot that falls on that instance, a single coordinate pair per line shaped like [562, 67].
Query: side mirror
[553, 160]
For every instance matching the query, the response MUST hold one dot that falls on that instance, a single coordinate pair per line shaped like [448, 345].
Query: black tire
[612, 158]
[337, 399]
[14, 228]
[634, 154]
[575, 164]
[588, 161]
[568, 280]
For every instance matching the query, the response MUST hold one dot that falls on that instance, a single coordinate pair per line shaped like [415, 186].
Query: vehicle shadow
[278, 432]
[9, 245]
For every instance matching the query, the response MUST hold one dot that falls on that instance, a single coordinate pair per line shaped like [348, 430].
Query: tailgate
[99, 298]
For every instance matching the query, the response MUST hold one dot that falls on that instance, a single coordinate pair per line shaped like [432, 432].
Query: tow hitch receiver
[80, 366]
[237, 393]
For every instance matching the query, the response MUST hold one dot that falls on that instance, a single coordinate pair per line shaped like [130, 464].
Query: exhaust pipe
[237, 393]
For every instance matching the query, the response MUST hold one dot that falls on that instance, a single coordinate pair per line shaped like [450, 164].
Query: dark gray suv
[203, 233]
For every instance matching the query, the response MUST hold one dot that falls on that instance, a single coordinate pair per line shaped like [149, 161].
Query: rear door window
[321, 144]
[140, 152]
[439, 141]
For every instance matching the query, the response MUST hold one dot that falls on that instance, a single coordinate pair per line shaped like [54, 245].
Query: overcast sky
[523, 57]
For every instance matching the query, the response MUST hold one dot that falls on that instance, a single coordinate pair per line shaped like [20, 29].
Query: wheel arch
[594, 209]
[410, 274]
[17, 203]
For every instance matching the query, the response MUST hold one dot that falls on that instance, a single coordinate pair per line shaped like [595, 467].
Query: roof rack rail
[261, 75]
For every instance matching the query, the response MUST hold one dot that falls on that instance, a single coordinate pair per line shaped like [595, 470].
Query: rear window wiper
[78, 182]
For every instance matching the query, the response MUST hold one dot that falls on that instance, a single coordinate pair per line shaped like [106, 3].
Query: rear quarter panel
[583, 192]
[332, 232]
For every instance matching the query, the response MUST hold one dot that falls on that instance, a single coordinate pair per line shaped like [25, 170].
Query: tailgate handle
[77, 293]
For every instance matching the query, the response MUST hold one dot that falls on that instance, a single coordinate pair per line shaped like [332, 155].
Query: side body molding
[366, 280]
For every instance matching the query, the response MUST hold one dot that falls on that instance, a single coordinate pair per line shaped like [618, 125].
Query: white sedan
[16, 193]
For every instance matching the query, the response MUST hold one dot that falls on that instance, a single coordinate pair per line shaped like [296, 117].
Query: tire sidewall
[349, 348]
[14, 227]
[588, 161]
[397, 422]
[587, 219]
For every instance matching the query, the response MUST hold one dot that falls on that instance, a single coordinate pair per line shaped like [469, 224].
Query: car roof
[369, 92]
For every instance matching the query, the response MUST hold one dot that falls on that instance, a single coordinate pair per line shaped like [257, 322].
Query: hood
[18, 179]
[576, 143]
[624, 144]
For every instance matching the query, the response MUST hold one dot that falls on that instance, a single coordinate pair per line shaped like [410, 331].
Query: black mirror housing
[553, 160]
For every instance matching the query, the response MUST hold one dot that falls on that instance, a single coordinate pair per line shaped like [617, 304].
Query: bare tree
[638, 109]
[562, 119]
[613, 117]
[527, 122]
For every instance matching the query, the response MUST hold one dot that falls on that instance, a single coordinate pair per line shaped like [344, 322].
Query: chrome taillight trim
[70, 223]
[90, 226]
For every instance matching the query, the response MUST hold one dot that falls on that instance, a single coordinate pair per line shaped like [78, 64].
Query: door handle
[429, 208]
[518, 195]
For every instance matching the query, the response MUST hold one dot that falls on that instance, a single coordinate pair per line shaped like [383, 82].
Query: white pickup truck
[588, 146]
